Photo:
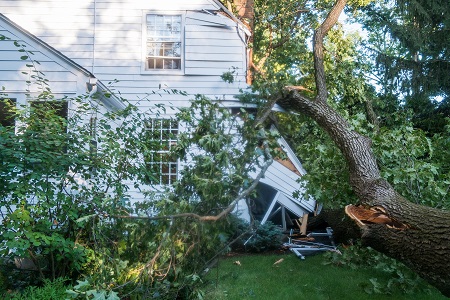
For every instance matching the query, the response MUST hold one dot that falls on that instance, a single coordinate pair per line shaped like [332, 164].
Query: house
[142, 46]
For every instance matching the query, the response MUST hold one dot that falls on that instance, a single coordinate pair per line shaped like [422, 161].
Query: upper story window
[163, 44]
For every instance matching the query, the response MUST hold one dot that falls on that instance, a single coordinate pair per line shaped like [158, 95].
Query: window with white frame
[162, 164]
[163, 44]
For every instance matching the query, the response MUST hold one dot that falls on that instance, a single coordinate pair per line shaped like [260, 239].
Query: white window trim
[160, 183]
[144, 70]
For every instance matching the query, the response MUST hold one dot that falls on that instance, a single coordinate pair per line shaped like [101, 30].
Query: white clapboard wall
[106, 37]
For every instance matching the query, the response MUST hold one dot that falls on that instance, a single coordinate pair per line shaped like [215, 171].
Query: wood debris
[302, 247]
[278, 261]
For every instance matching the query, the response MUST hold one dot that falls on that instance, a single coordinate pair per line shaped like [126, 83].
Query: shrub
[260, 238]
[51, 290]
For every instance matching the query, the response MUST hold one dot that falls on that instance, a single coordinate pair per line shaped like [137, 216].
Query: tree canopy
[382, 127]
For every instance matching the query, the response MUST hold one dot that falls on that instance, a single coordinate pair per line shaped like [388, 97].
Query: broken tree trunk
[421, 236]
[423, 240]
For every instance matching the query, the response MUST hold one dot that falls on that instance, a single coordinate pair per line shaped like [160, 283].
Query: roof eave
[233, 17]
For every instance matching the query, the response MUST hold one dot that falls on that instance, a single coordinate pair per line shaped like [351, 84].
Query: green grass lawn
[293, 278]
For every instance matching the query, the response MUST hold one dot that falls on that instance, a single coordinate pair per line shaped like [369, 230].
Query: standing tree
[409, 44]
[412, 233]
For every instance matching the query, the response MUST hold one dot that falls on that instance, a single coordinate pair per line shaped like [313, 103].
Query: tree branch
[319, 35]
[284, 39]
[264, 112]
[231, 206]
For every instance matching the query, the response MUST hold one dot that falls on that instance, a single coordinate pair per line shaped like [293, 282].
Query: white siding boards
[108, 38]
[24, 58]
[221, 51]
[21, 60]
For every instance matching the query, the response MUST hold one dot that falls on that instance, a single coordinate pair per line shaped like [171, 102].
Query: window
[7, 112]
[48, 122]
[163, 45]
[50, 109]
[162, 137]
[60, 108]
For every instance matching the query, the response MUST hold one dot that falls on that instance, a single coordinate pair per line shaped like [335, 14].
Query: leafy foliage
[408, 45]
[410, 161]
[400, 277]
[256, 237]
[50, 290]
[66, 195]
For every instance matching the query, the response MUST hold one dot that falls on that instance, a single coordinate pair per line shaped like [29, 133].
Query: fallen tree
[414, 234]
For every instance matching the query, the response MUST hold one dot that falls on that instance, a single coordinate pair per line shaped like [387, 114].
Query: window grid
[163, 42]
[163, 137]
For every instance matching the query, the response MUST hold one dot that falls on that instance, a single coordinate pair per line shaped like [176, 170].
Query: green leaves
[407, 159]
[405, 39]
[63, 179]
[83, 289]
[399, 277]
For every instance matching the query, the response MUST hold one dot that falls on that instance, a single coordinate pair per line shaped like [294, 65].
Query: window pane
[159, 63]
[150, 63]
[163, 42]
[162, 136]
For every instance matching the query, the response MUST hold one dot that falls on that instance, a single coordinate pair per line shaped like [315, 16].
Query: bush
[260, 238]
[51, 290]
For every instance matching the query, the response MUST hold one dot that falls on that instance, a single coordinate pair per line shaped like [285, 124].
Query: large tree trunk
[422, 241]
[418, 236]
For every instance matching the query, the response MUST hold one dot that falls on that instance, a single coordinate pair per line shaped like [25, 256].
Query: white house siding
[106, 38]
[15, 73]
[287, 182]
[223, 50]
[62, 22]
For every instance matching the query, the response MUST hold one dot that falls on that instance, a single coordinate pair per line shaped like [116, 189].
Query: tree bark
[423, 240]
[424, 243]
